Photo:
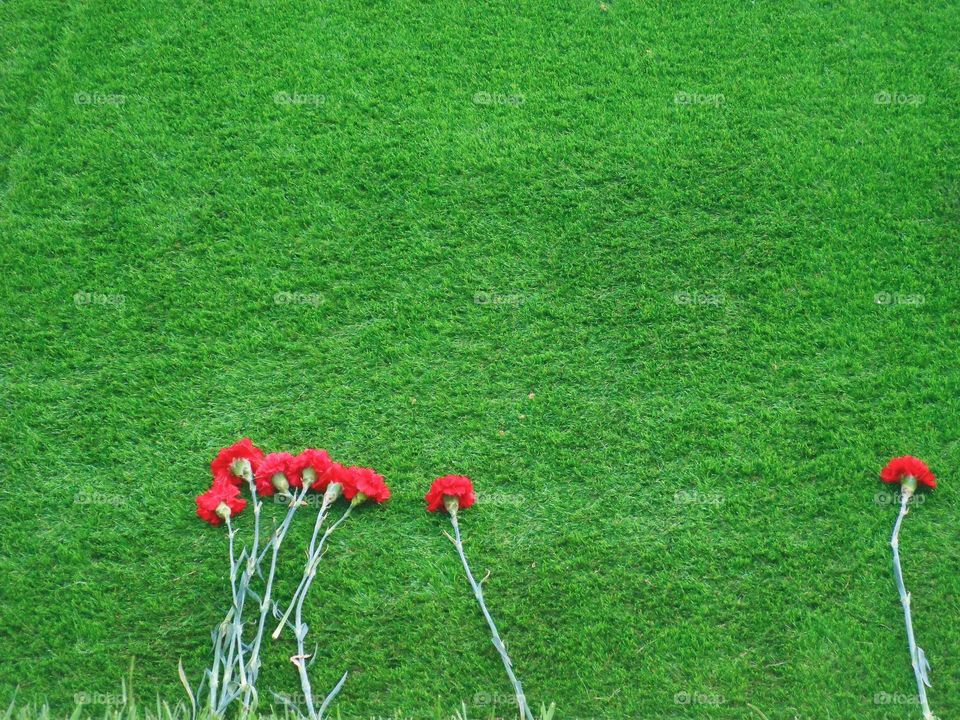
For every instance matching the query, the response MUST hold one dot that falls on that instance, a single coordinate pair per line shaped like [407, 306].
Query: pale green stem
[917, 657]
[300, 630]
[497, 642]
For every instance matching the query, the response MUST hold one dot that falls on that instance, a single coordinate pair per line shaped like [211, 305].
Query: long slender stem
[215, 670]
[234, 634]
[278, 536]
[300, 630]
[917, 657]
[497, 642]
[310, 571]
[321, 516]
[236, 639]
[253, 562]
[301, 662]
[299, 592]
[229, 634]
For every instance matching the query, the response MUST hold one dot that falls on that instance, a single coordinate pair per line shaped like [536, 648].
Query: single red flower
[222, 500]
[275, 471]
[226, 465]
[458, 486]
[312, 466]
[338, 474]
[366, 482]
[908, 466]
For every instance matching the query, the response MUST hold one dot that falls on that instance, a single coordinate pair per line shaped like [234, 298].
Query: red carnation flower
[276, 472]
[458, 486]
[366, 482]
[221, 501]
[338, 474]
[908, 466]
[228, 462]
[312, 466]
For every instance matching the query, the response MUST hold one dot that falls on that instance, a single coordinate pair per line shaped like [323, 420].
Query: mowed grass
[672, 342]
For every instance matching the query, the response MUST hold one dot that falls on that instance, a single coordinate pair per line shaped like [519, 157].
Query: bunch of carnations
[237, 640]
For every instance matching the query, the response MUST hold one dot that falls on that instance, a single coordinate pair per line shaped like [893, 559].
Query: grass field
[671, 282]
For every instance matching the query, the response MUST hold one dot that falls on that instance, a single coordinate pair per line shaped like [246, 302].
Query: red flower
[220, 501]
[313, 465]
[366, 482]
[274, 464]
[226, 465]
[908, 466]
[338, 474]
[458, 486]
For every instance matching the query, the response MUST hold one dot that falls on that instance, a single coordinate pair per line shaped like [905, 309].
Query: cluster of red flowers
[278, 472]
[908, 466]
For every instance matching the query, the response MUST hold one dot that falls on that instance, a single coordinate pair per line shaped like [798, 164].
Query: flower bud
[223, 511]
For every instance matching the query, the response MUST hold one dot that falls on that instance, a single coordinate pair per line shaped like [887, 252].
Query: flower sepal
[332, 493]
[908, 485]
[280, 483]
[240, 467]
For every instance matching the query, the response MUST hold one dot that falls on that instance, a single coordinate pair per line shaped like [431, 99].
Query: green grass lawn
[671, 282]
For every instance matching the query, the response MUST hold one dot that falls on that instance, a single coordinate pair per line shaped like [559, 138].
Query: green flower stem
[275, 542]
[917, 657]
[300, 629]
[321, 516]
[220, 634]
[328, 499]
[497, 642]
[236, 641]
